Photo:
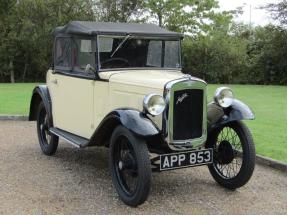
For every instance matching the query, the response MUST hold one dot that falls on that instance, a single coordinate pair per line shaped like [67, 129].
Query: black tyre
[130, 166]
[234, 155]
[48, 141]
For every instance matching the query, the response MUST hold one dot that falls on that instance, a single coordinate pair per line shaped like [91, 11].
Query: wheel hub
[225, 152]
[127, 162]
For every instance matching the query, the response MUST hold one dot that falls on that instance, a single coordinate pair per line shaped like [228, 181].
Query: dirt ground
[78, 182]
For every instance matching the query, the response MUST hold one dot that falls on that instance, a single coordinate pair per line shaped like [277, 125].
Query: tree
[182, 16]
[117, 10]
[278, 11]
[7, 46]
[215, 48]
[26, 34]
[267, 56]
[216, 58]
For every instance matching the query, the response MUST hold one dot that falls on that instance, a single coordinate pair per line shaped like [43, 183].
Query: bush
[216, 59]
[259, 58]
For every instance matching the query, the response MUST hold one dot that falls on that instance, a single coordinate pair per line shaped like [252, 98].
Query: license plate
[185, 159]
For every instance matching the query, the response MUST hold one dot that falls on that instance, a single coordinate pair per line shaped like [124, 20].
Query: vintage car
[121, 86]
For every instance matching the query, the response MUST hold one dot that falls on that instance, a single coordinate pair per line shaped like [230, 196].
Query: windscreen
[129, 52]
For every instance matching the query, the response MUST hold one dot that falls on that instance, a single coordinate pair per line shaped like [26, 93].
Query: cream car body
[87, 102]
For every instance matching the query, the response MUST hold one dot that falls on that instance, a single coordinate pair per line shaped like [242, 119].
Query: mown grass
[269, 104]
[15, 98]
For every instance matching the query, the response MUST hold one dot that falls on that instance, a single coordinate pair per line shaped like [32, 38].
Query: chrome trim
[217, 95]
[166, 96]
[146, 101]
[167, 126]
[186, 77]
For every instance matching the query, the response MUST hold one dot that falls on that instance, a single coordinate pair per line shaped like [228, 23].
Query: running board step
[73, 139]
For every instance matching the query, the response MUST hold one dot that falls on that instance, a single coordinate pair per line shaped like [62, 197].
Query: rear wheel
[130, 166]
[234, 155]
[48, 141]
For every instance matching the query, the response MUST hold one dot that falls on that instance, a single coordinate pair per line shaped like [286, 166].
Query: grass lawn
[269, 104]
[15, 98]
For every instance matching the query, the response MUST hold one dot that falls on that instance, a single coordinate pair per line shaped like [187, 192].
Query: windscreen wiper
[120, 45]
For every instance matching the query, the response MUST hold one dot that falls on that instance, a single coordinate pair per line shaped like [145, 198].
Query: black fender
[134, 120]
[40, 93]
[218, 116]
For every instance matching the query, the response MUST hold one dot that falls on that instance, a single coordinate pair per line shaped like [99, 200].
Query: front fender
[218, 116]
[134, 120]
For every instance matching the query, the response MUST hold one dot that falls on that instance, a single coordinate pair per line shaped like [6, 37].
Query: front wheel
[234, 155]
[130, 166]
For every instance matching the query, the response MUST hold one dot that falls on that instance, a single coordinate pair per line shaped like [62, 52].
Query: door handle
[54, 81]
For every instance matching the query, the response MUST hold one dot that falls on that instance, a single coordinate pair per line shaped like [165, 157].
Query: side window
[172, 58]
[63, 52]
[82, 54]
[154, 54]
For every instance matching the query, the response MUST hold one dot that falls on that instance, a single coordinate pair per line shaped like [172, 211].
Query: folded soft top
[111, 28]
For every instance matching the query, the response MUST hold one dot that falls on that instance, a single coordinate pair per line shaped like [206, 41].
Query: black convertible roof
[112, 28]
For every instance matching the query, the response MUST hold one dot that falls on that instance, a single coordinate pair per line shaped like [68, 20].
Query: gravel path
[78, 182]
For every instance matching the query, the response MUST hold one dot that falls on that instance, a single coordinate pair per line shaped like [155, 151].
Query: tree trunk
[24, 73]
[12, 75]
[159, 15]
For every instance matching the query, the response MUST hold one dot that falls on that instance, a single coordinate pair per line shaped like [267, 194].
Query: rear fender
[40, 93]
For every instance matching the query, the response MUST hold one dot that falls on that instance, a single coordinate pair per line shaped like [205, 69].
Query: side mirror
[89, 68]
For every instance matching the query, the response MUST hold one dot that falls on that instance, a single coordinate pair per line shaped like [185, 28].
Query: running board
[73, 139]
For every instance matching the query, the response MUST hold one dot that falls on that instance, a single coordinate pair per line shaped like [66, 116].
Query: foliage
[117, 10]
[215, 48]
[238, 55]
[217, 59]
[182, 16]
[25, 36]
[220, 56]
[278, 11]
[267, 53]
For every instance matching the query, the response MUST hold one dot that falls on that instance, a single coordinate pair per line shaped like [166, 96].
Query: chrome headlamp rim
[222, 99]
[147, 106]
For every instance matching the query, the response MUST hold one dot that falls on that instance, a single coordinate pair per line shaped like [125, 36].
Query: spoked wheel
[126, 165]
[48, 141]
[130, 166]
[234, 155]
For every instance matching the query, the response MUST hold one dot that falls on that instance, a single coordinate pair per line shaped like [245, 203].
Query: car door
[71, 87]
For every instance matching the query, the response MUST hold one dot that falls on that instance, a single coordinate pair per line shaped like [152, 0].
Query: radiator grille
[188, 114]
